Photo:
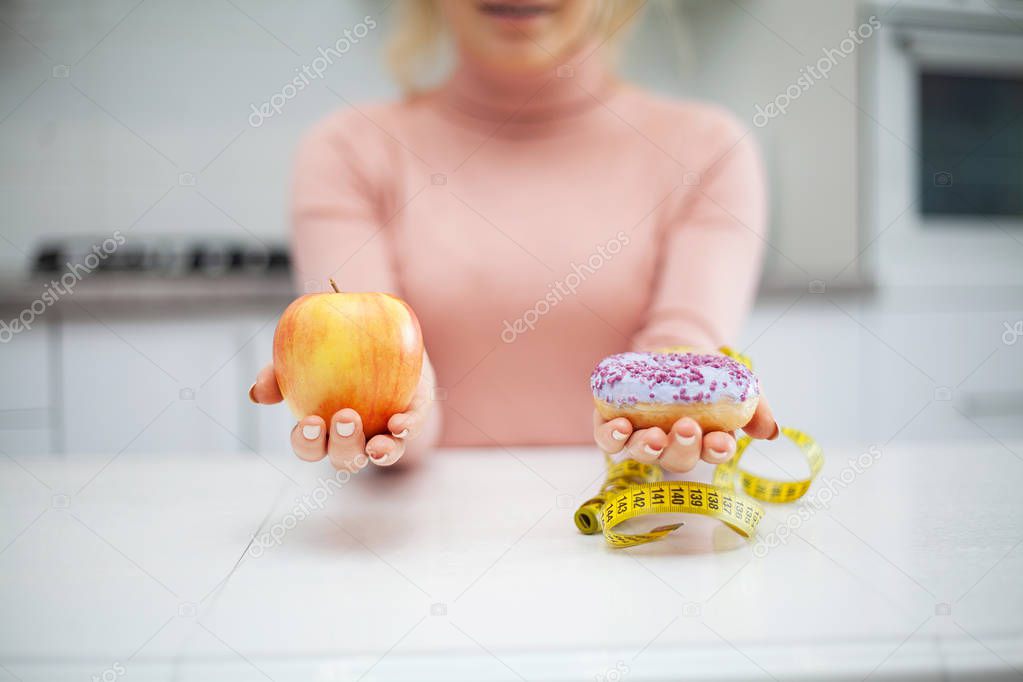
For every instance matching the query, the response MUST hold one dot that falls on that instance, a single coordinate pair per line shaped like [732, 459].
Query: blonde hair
[418, 34]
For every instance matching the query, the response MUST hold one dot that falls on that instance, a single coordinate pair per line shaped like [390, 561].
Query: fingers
[611, 435]
[410, 423]
[718, 447]
[344, 442]
[685, 444]
[762, 424]
[385, 450]
[646, 445]
[309, 439]
[347, 443]
[265, 391]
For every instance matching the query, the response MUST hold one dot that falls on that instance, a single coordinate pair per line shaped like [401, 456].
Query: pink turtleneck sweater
[535, 225]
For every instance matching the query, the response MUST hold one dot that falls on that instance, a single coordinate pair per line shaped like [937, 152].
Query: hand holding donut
[676, 408]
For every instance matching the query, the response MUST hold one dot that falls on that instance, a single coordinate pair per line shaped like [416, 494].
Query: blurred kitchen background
[892, 301]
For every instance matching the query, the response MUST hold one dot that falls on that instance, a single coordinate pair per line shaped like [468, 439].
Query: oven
[942, 143]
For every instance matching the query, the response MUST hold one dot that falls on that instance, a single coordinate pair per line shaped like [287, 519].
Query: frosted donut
[658, 389]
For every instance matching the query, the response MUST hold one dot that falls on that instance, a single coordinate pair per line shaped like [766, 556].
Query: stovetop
[208, 257]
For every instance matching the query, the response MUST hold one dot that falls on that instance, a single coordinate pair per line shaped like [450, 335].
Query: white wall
[164, 87]
[745, 54]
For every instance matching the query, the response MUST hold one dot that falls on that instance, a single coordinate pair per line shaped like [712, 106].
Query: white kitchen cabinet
[913, 362]
[23, 443]
[154, 382]
[27, 407]
[23, 363]
[273, 422]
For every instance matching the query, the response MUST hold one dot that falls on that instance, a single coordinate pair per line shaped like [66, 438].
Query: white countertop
[470, 568]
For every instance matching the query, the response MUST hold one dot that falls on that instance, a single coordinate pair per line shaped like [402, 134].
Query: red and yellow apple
[358, 350]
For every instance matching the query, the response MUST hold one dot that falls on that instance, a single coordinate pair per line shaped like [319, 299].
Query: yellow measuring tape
[634, 489]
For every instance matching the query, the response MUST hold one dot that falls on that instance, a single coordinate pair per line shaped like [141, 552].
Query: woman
[538, 214]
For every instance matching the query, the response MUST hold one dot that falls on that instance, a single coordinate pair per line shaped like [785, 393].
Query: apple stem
[337, 289]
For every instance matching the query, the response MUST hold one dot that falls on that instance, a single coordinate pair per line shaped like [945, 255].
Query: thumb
[266, 391]
[762, 424]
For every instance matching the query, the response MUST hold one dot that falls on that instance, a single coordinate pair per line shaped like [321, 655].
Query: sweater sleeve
[337, 227]
[710, 262]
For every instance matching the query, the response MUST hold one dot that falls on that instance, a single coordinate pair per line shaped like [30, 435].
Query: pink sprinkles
[630, 378]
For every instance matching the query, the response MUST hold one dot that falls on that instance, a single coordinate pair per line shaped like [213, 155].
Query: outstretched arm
[338, 232]
[709, 269]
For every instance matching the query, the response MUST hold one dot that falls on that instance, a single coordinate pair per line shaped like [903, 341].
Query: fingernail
[719, 454]
[345, 428]
[651, 451]
[618, 435]
[311, 431]
[685, 440]
[252, 394]
[777, 432]
[400, 434]
[375, 455]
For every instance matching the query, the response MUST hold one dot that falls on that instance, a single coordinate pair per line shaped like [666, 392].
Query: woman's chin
[519, 60]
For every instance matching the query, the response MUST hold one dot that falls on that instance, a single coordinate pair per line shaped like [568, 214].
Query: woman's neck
[564, 89]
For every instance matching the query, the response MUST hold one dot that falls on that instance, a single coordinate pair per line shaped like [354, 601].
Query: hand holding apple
[355, 362]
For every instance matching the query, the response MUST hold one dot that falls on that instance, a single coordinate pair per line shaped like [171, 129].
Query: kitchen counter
[120, 289]
[243, 566]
